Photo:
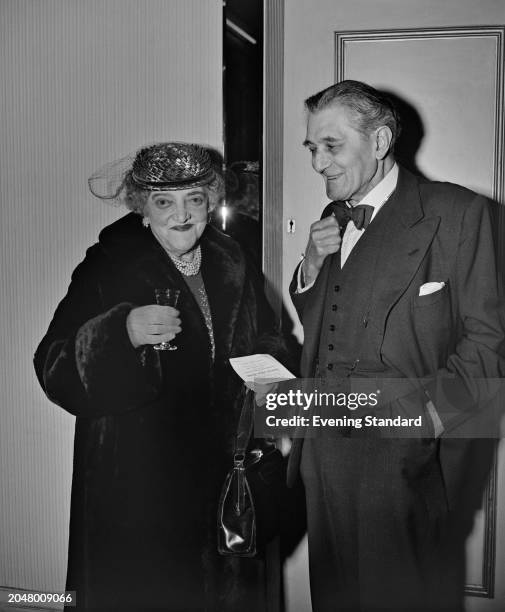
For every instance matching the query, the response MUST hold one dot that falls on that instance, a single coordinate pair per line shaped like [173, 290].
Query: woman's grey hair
[135, 198]
[370, 108]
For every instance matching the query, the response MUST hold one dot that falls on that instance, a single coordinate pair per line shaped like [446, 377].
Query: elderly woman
[155, 429]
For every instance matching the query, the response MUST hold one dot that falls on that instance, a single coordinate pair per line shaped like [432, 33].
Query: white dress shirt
[376, 198]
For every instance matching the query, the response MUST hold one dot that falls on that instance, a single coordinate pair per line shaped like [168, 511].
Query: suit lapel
[406, 237]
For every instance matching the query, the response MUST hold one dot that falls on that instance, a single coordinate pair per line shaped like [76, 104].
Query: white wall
[83, 82]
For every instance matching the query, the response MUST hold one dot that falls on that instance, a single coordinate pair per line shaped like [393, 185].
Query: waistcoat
[350, 336]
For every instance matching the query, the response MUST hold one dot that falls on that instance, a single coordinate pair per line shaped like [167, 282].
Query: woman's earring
[145, 222]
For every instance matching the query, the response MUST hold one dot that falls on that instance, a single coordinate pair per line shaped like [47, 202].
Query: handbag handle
[242, 438]
[244, 429]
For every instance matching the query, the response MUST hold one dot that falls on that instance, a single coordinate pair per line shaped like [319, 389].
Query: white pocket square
[428, 288]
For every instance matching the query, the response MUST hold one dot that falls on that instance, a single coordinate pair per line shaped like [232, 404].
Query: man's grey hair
[370, 108]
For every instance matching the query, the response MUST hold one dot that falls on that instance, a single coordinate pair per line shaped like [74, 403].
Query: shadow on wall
[407, 147]
[411, 135]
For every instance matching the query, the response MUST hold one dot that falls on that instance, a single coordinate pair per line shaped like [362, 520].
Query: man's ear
[383, 139]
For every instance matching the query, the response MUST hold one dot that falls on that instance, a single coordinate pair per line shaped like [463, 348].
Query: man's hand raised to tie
[324, 239]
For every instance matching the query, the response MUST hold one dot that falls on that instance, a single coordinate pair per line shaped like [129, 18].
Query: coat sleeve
[298, 299]
[466, 395]
[317, 288]
[472, 380]
[86, 363]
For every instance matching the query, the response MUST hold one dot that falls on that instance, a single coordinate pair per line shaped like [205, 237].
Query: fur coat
[154, 431]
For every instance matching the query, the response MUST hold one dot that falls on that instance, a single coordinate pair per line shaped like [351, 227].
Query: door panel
[452, 78]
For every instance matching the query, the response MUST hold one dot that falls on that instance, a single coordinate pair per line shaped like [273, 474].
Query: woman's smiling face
[178, 217]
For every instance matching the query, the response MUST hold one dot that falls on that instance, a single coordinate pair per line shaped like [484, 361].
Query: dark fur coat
[154, 431]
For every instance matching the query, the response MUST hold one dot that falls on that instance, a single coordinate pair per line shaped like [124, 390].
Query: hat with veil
[158, 167]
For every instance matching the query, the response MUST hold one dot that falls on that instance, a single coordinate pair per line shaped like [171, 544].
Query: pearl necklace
[188, 268]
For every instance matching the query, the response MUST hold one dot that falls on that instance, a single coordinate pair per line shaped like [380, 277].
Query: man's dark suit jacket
[440, 232]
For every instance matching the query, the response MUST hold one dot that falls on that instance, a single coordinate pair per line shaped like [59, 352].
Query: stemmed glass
[166, 297]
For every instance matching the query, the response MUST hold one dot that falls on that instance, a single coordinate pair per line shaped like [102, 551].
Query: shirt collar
[382, 191]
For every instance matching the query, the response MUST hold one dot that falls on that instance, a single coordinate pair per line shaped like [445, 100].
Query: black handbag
[252, 494]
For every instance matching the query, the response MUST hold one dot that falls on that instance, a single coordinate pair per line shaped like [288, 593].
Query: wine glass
[166, 297]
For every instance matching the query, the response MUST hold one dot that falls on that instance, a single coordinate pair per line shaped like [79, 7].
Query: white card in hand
[260, 367]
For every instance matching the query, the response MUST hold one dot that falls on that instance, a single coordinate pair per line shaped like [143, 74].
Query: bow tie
[361, 214]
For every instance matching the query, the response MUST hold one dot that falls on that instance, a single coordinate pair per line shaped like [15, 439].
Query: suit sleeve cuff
[301, 287]
[438, 427]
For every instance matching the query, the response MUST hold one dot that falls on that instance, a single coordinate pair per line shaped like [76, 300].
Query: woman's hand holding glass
[152, 324]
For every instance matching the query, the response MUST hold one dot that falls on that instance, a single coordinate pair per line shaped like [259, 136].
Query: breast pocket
[431, 319]
[421, 301]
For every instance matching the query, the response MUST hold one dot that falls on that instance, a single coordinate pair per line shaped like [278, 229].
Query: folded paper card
[260, 367]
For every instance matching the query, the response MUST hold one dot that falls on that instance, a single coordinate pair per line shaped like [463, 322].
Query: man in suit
[398, 281]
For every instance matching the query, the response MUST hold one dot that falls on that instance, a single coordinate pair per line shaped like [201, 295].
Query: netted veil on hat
[158, 167]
